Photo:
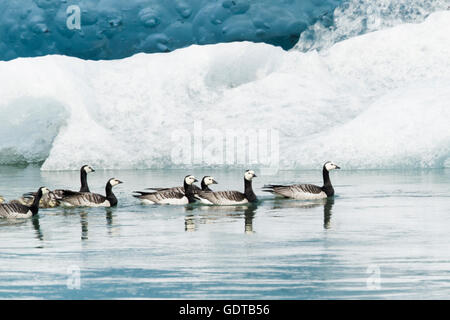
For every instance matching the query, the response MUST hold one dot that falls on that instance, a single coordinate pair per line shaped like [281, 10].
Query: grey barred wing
[223, 197]
[175, 189]
[307, 188]
[173, 194]
[297, 191]
[80, 199]
[162, 197]
[10, 210]
[60, 193]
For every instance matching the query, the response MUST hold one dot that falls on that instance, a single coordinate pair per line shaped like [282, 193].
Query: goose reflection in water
[249, 215]
[326, 203]
[37, 229]
[212, 214]
[84, 225]
[327, 208]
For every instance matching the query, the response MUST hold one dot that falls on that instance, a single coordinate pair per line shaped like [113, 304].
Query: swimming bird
[230, 197]
[306, 191]
[206, 182]
[89, 199]
[20, 211]
[170, 196]
[48, 200]
[51, 200]
[83, 179]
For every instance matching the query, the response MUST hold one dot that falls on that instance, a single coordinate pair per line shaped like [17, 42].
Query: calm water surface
[384, 236]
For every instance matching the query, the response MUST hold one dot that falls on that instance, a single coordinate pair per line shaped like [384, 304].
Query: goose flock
[30, 203]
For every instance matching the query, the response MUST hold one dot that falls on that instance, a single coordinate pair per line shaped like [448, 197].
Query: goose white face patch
[88, 169]
[190, 180]
[114, 182]
[209, 180]
[45, 191]
[249, 175]
[330, 166]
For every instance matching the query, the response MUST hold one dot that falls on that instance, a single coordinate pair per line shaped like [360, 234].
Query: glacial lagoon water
[384, 236]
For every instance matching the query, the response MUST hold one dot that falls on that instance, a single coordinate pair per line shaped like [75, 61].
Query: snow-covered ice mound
[380, 100]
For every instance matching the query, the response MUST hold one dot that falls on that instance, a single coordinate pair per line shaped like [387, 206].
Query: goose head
[44, 190]
[208, 180]
[87, 169]
[330, 166]
[189, 179]
[114, 182]
[249, 175]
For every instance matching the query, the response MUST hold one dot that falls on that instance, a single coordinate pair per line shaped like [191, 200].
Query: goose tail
[270, 187]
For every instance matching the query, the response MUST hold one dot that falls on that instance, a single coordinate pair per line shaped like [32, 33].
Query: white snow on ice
[380, 100]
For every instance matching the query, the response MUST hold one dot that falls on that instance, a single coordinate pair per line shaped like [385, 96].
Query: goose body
[173, 196]
[205, 183]
[225, 198]
[83, 179]
[50, 200]
[306, 191]
[89, 199]
[20, 211]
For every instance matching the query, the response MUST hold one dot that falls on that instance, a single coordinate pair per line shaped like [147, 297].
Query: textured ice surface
[380, 100]
[110, 29]
[356, 17]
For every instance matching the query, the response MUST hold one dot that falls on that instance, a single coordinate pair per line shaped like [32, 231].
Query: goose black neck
[189, 192]
[35, 206]
[110, 195]
[327, 187]
[84, 184]
[205, 186]
[248, 191]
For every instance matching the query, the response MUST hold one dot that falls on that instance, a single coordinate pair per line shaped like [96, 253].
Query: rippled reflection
[211, 214]
[189, 223]
[280, 203]
[327, 208]
[249, 215]
[37, 228]
[84, 225]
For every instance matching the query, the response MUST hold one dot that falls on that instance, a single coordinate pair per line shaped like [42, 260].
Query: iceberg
[378, 100]
[114, 29]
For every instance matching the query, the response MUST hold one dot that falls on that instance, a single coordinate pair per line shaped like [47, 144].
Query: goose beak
[255, 176]
[214, 182]
[337, 167]
[195, 180]
[119, 182]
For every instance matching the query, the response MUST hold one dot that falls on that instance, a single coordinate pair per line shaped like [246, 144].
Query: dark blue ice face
[117, 29]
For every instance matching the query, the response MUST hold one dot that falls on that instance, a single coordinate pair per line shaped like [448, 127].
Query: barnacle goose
[51, 200]
[206, 182]
[171, 195]
[20, 211]
[306, 191]
[230, 197]
[83, 179]
[89, 199]
[48, 200]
